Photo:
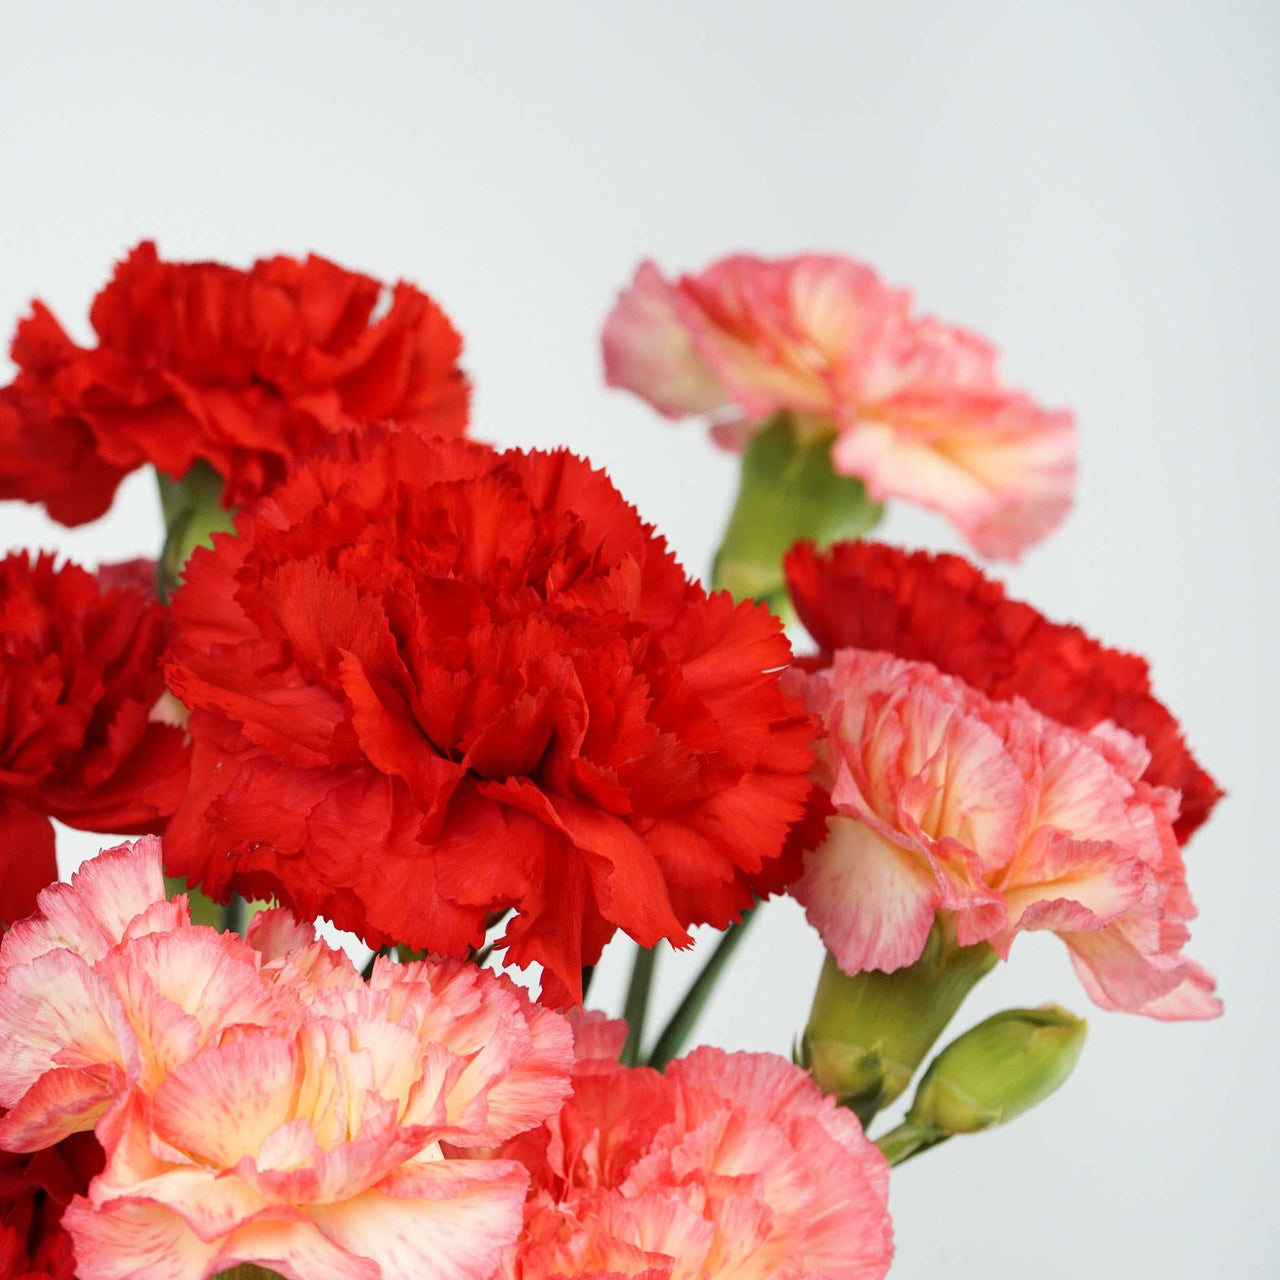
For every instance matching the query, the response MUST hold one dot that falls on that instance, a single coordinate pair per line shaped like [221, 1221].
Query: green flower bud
[788, 492]
[868, 1033]
[1001, 1068]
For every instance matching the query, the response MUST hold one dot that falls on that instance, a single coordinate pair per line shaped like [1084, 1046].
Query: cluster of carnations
[445, 696]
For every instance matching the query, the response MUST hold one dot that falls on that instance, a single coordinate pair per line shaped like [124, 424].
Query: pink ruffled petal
[440, 1222]
[1006, 480]
[517, 1054]
[1072, 885]
[226, 1101]
[647, 349]
[872, 901]
[135, 1240]
[1128, 978]
[1192, 998]
[57, 1012]
[63, 1101]
[277, 932]
[128, 1238]
[596, 1036]
[92, 913]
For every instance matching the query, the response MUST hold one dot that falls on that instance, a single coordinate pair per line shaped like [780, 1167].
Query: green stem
[636, 1010]
[676, 1033]
[787, 492]
[238, 915]
[907, 1140]
[193, 513]
[248, 1271]
[203, 908]
[234, 917]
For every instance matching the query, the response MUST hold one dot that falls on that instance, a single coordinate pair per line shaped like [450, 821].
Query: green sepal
[869, 1032]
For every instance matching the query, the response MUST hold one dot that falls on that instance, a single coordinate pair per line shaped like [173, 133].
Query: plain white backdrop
[1092, 185]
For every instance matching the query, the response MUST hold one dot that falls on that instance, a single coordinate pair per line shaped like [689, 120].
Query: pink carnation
[1001, 819]
[730, 1165]
[916, 406]
[257, 1100]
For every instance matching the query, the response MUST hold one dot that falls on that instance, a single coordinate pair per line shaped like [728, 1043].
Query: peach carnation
[258, 1101]
[916, 406]
[730, 1165]
[1001, 819]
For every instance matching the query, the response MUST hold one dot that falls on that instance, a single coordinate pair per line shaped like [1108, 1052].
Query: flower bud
[869, 1032]
[1001, 1068]
[788, 492]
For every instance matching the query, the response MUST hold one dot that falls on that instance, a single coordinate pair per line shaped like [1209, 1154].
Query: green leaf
[677, 1031]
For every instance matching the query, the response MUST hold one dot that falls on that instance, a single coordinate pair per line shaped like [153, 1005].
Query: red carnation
[941, 610]
[430, 682]
[80, 675]
[34, 1191]
[247, 370]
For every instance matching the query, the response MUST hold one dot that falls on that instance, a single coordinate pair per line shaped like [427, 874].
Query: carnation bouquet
[464, 704]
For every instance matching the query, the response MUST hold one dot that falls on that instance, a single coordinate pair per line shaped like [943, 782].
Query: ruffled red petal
[27, 858]
[245, 370]
[34, 1191]
[431, 682]
[80, 676]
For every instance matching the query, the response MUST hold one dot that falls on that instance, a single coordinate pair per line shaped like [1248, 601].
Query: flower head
[247, 370]
[258, 1101]
[942, 610]
[915, 407]
[489, 668]
[729, 1165]
[80, 676]
[1001, 819]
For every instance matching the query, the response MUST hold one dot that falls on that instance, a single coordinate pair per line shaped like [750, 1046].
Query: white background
[1094, 185]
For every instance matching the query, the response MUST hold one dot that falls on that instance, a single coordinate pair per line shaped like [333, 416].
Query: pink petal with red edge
[56, 1011]
[63, 1101]
[92, 913]
[872, 901]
